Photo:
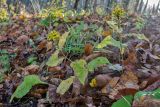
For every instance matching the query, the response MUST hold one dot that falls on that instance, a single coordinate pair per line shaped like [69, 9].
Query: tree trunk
[86, 4]
[76, 4]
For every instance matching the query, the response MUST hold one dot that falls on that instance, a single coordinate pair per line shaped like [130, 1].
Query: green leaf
[54, 60]
[142, 37]
[62, 40]
[109, 41]
[123, 102]
[65, 85]
[79, 67]
[26, 85]
[95, 63]
[32, 60]
[154, 94]
[114, 26]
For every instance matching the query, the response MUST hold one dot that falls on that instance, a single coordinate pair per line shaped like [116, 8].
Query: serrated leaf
[95, 63]
[26, 85]
[62, 40]
[79, 67]
[123, 102]
[154, 94]
[109, 41]
[54, 60]
[65, 85]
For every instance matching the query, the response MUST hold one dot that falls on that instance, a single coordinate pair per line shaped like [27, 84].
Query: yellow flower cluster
[58, 13]
[3, 15]
[53, 35]
[118, 12]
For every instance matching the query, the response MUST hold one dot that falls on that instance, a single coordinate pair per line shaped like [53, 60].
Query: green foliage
[109, 41]
[54, 60]
[53, 35]
[32, 60]
[118, 12]
[25, 86]
[142, 37]
[65, 85]
[154, 94]
[3, 15]
[53, 17]
[79, 67]
[100, 10]
[75, 42]
[114, 26]
[140, 23]
[1, 77]
[62, 40]
[95, 63]
[5, 60]
[123, 102]
[79, 36]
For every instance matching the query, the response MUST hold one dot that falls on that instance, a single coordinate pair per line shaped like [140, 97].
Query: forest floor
[25, 50]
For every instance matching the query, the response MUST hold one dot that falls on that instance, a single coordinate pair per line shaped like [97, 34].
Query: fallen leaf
[65, 85]
[88, 49]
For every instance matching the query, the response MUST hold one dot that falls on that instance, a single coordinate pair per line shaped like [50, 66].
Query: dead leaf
[32, 69]
[128, 76]
[3, 38]
[42, 45]
[88, 49]
[106, 33]
[22, 39]
[146, 101]
[114, 81]
[54, 69]
[49, 46]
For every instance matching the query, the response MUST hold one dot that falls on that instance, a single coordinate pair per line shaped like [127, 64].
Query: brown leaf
[128, 76]
[114, 81]
[42, 45]
[153, 86]
[54, 69]
[22, 39]
[88, 49]
[106, 33]
[132, 59]
[49, 46]
[32, 69]
[3, 38]
[146, 101]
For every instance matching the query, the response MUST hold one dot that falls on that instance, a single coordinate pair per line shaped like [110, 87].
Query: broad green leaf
[65, 85]
[54, 60]
[80, 70]
[155, 94]
[62, 40]
[26, 85]
[123, 102]
[109, 41]
[95, 63]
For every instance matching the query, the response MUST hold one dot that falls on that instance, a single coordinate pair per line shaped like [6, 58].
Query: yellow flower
[118, 12]
[3, 15]
[93, 83]
[53, 35]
